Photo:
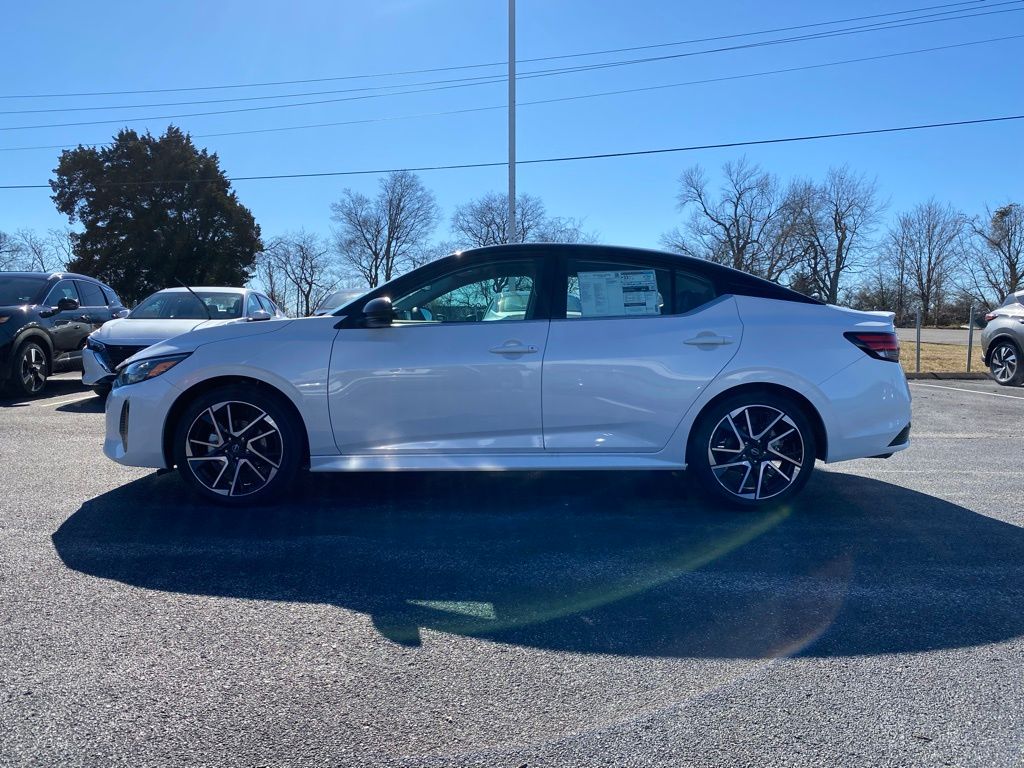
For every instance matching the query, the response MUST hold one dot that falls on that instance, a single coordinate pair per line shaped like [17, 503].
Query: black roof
[726, 279]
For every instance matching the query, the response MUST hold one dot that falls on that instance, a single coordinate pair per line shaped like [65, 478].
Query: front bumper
[95, 369]
[135, 417]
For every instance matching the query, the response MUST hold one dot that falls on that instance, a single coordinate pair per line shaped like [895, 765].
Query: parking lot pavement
[515, 619]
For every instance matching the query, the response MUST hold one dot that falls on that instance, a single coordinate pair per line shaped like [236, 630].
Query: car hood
[192, 340]
[145, 332]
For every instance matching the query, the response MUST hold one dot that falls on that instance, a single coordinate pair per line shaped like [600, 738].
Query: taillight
[883, 346]
[990, 317]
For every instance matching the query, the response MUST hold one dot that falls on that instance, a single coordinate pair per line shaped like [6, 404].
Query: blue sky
[102, 46]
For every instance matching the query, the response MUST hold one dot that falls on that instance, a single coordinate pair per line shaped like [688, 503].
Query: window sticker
[626, 292]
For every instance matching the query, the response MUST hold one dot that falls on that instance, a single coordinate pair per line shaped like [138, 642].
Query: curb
[949, 376]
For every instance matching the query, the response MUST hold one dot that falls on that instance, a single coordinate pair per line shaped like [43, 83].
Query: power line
[526, 76]
[560, 159]
[579, 97]
[974, 3]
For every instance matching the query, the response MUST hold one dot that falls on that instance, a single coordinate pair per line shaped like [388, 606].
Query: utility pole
[513, 236]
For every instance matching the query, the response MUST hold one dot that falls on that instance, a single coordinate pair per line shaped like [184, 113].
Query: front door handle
[709, 339]
[514, 348]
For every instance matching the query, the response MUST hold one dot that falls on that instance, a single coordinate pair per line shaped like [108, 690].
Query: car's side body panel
[438, 388]
[622, 383]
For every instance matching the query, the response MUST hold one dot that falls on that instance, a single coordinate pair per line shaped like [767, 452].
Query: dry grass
[940, 358]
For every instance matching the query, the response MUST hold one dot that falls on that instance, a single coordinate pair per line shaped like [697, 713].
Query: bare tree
[928, 240]
[303, 260]
[28, 250]
[10, 252]
[484, 221]
[836, 221]
[380, 237]
[995, 267]
[750, 224]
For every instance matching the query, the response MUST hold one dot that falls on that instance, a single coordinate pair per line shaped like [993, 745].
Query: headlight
[91, 343]
[149, 368]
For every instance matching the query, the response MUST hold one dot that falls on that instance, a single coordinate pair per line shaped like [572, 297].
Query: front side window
[489, 293]
[65, 289]
[267, 304]
[607, 289]
[252, 305]
[183, 305]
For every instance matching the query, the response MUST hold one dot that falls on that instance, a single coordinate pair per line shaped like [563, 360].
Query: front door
[459, 371]
[635, 346]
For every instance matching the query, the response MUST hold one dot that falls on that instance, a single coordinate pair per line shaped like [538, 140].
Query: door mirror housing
[378, 313]
[259, 314]
[64, 305]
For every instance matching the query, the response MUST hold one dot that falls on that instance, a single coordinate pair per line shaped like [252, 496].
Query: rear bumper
[869, 411]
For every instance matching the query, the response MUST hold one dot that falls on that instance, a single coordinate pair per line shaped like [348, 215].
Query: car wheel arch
[1003, 336]
[817, 423]
[207, 385]
[40, 337]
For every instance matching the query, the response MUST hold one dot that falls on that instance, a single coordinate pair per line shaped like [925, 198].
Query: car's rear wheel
[29, 370]
[754, 449]
[238, 446]
[1005, 363]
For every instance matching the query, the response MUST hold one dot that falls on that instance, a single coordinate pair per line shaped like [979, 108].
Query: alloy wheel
[756, 452]
[1004, 362]
[234, 448]
[33, 369]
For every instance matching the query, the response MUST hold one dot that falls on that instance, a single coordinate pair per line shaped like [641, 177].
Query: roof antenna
[202, 303]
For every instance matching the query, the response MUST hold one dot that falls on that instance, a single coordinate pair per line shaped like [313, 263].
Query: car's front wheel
[29, 370]
[238, 445]
[1005, 363]
[755, 449]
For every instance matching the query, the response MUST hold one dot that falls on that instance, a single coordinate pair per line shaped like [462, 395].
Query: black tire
[30, 367]
[101, 390]
[754, 471]
[1006, 364]
[223, 454]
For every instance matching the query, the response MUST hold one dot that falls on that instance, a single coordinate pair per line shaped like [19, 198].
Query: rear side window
[113, 299]
[91, 294]
[604, 289]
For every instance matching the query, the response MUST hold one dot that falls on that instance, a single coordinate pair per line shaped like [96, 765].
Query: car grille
[118, 353]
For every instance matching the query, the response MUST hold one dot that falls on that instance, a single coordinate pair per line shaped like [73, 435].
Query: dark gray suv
[45, 318]
[1003, 340]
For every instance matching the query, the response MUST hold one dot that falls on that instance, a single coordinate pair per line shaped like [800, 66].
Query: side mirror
[259, 314]
[67, 305]
[378, 313]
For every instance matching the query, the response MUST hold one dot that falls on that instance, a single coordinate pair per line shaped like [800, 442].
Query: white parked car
[163, 315]
[666, 362]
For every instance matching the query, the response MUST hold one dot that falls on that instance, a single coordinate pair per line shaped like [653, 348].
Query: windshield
[20, 290]
[340, 298]
[182, 305]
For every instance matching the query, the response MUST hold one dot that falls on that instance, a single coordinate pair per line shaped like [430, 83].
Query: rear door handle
[514, 348]
[708, 339]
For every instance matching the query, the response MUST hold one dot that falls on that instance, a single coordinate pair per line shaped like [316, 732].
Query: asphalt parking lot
[516, 619]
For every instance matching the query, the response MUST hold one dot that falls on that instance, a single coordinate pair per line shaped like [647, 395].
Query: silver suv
[1003, 340]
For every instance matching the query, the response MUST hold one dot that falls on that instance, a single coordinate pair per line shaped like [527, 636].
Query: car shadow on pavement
[612, 562]
[54, 388]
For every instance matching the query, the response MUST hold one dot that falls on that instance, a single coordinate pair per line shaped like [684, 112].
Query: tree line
[155, 210]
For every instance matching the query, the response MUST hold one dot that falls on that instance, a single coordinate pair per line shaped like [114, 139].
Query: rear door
[94, 304]
[634, 344]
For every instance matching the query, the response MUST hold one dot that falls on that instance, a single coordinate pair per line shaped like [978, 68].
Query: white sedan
[161, 316]
[665, 362]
